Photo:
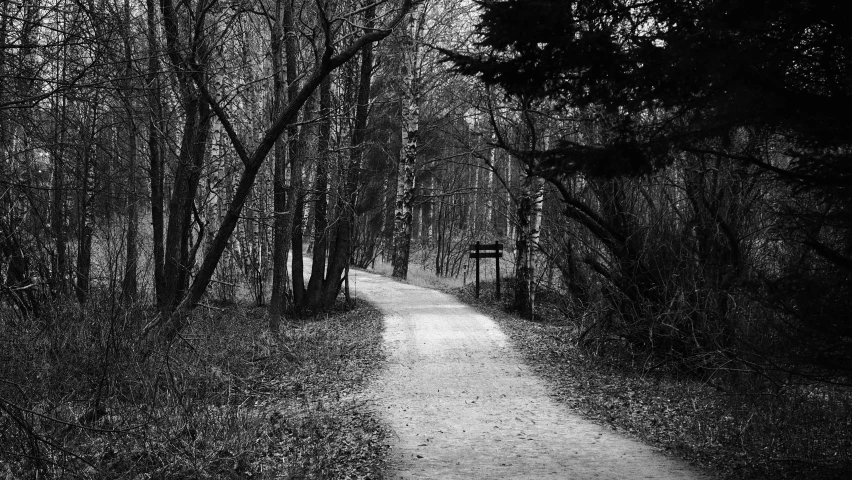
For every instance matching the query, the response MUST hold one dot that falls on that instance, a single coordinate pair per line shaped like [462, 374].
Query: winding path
[463, 405]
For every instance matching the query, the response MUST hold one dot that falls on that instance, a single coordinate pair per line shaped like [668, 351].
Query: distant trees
[199, 93]
[55, 135]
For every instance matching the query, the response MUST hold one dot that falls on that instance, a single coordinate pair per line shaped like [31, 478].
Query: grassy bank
[225, 400]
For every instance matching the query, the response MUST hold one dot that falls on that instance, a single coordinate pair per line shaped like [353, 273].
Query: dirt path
[463, 405]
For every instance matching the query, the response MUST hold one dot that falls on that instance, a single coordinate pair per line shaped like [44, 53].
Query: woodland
[671, 181]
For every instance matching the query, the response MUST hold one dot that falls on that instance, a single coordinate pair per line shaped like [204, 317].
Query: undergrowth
[225, 400]
[750, 430]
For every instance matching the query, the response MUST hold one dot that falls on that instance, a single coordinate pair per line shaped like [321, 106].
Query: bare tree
[329, 57]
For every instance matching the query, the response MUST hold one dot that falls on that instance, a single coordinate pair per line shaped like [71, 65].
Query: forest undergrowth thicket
[225, 400]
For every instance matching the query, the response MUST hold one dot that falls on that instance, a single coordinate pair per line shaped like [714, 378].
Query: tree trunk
[156, 126]
[176, 268]
[84, 213]
[523, 273]
[510, 225]
[5, 137]
[295, 151]
[408, 155]
[129, 283]
[474, 211]
[339, 258]
[281, 220]
[534, 237]
[489, 190]
[317, 281]
[57, 221]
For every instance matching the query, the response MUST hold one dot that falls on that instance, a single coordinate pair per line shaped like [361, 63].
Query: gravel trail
[463, 405]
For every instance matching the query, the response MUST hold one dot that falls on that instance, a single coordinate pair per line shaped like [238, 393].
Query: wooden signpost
[493, 250]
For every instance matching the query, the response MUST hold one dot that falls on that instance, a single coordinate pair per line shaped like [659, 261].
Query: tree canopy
[676, 71]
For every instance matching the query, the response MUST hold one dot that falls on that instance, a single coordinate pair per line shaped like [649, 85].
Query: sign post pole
[477, 269]
[491, 250]
[498, 277]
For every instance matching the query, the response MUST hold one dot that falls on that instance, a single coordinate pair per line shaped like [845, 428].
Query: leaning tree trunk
[408, 156]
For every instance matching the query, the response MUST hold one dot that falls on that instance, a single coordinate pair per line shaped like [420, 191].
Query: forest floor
[461, 403]
[745, 431]
[224, 401]
[802, 430]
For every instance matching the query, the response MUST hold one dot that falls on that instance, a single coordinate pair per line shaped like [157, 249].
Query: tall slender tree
[409, 97]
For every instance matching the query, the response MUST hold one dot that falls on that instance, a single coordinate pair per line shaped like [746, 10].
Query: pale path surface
[462, 404]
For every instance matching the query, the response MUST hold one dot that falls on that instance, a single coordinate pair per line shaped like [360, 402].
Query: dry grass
[423, 277]
[224, 401]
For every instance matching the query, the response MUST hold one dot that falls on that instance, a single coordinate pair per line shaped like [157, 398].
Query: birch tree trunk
[530, 207]
[534, 237]
[489, 190]
[428, 214]
[408, 156]
[510, 225]
[474, 211]
[523, 274]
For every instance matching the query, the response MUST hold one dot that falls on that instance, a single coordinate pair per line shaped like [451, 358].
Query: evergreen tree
[765, 83]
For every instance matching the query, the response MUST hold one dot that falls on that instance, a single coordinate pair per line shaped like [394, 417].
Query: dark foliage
[667, 79]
